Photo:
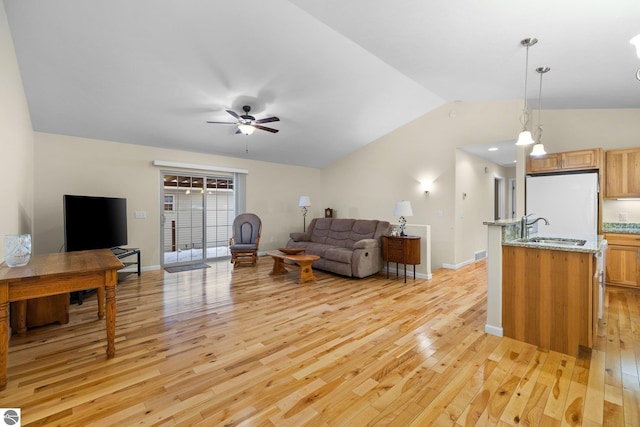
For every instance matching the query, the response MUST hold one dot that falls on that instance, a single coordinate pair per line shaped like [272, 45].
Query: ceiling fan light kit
[246, 123]
[246, 129]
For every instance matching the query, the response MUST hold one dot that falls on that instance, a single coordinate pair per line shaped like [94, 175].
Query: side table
[401, 249]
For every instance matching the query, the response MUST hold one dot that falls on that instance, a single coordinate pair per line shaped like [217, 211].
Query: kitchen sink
[555, 241]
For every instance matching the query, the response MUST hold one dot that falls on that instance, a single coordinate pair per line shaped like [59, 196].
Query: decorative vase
[17, 249]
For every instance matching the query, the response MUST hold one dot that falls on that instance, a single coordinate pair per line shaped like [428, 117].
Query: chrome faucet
[525, 225]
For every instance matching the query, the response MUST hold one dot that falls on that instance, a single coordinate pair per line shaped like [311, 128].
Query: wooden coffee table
[303, 260]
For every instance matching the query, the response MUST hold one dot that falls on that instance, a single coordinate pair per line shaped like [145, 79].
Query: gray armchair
[244, 241]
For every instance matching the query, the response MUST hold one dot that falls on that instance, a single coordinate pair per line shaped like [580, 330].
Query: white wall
[16, 143]
[81, 166]
[474, 201]
[369, 181]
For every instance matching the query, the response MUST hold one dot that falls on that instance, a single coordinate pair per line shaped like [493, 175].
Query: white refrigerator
[568, 201]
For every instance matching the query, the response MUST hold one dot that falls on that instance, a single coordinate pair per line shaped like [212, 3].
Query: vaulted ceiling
[338, 74]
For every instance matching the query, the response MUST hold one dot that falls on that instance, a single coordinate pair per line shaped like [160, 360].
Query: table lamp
[403, 209]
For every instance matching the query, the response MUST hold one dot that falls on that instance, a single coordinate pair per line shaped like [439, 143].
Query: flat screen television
[94, 222]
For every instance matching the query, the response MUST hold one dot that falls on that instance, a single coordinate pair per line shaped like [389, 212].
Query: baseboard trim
[400, 273]
[457, 266]
[493, 330]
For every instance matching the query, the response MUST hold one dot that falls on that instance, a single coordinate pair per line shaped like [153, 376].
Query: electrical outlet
[623, 217]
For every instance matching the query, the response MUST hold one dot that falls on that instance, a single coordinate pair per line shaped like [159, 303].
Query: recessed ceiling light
[493, 149]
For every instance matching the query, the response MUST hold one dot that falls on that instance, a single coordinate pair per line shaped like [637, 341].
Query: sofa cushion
[340, 233]
[320, 231]
[339, 254]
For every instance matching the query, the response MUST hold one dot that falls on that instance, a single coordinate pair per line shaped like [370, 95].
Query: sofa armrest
[300, 237]
[366, 243]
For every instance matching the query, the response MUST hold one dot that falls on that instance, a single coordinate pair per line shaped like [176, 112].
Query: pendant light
[636, 42]
[525, 136]
[538, 148]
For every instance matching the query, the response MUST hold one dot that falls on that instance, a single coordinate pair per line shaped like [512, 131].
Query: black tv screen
[94, 222]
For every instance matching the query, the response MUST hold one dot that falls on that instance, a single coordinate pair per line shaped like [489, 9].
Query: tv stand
[121, 253]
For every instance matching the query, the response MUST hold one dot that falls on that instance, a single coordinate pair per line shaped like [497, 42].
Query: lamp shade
[304, 201]
[538, 150]
[403, 208]
[525, 138]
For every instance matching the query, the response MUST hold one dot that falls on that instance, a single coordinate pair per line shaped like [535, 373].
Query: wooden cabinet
[623, 260]
[41, 311]
[622, 173]
[550, 298]
[401, 249]
[567, 161]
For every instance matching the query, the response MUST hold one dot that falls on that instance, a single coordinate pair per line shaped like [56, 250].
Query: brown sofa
[350, 247]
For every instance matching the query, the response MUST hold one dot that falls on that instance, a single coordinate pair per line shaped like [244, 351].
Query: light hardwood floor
[240, 347]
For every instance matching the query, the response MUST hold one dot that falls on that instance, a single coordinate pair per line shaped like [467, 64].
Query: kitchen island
[543, 291]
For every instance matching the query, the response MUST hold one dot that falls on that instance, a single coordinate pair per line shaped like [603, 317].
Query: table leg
[306, 272]
[405, 273]
[4, 334]
[278, 266]
[100, 296]
[111, 320]
[21, 317]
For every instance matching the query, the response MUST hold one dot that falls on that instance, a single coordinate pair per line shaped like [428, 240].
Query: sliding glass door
[197, 214]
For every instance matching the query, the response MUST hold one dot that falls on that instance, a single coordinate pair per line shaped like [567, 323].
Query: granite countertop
[621, 227]
[593, 244]
[502, 222]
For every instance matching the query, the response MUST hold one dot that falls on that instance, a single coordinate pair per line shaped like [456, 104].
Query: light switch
[141, 215]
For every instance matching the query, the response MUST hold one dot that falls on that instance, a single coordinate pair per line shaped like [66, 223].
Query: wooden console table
[59, 273]
[401, 249]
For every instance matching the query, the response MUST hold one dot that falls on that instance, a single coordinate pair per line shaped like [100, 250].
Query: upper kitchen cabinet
[565, 162]
[622, 173]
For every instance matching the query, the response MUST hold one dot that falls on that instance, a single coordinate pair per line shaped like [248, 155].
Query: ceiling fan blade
[272, 130]
[223, 123]
[234, 114]
[237, 131]
[267, 120]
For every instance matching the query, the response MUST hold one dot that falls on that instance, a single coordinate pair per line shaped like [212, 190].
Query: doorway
[197, 216]
[498, 199]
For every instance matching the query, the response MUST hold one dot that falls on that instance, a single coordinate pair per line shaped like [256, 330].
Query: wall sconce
[426, 186]
[636, 42]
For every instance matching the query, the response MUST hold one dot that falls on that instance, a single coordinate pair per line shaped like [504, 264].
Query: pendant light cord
[541, 71]
[524, 119]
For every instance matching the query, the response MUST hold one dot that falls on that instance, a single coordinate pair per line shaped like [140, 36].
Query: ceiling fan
[247, 123]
